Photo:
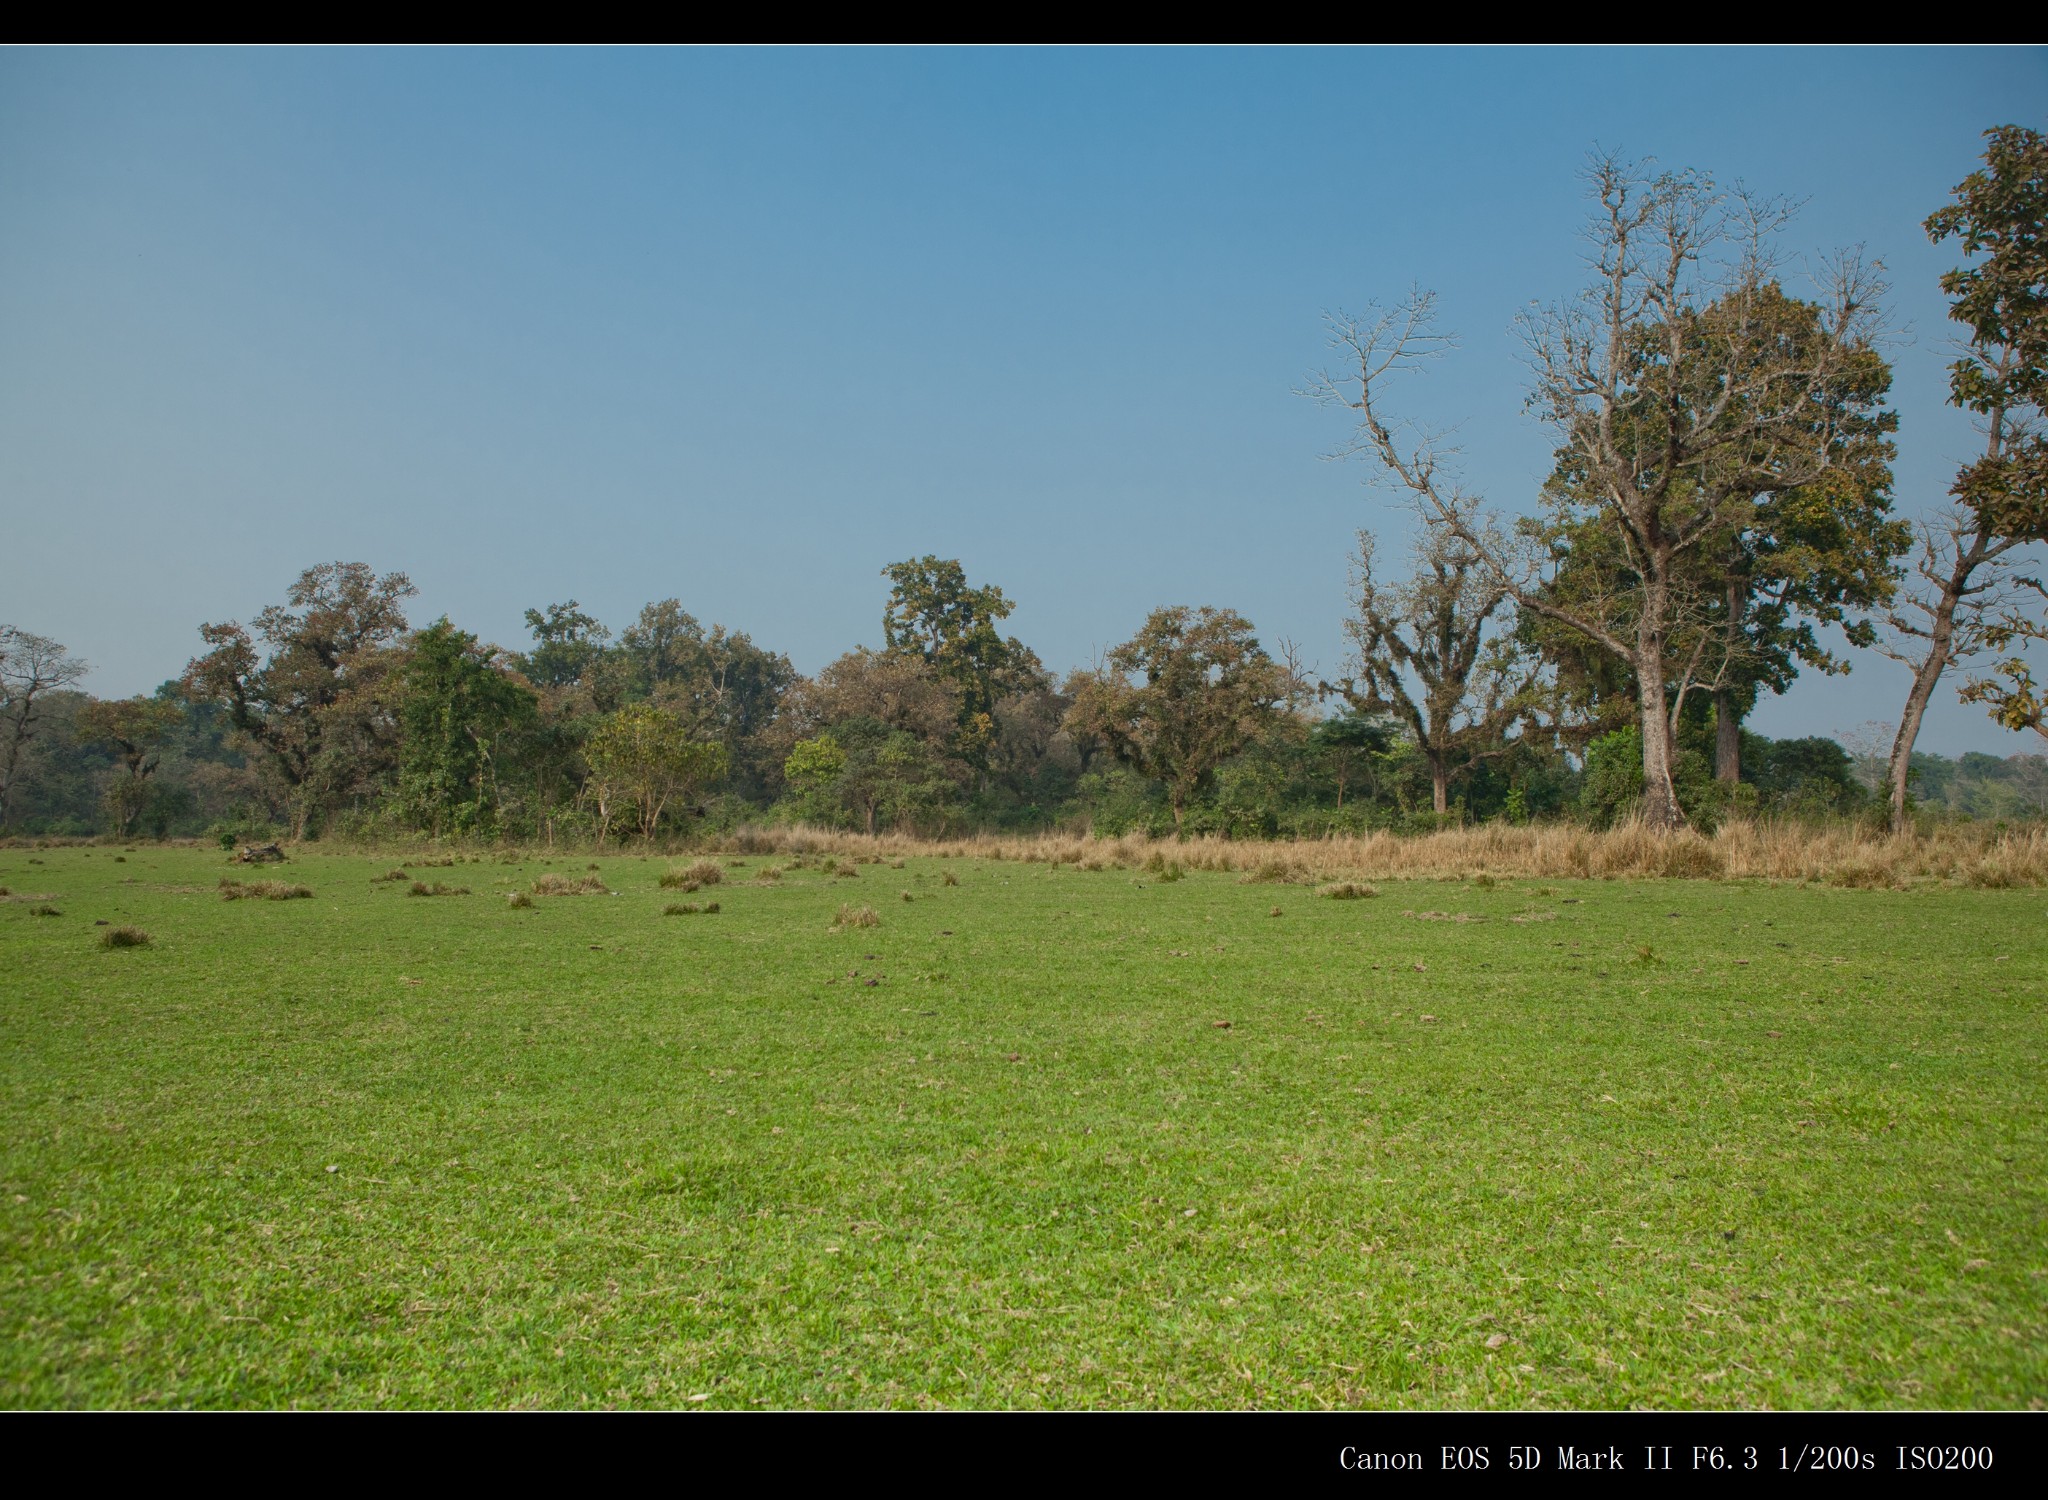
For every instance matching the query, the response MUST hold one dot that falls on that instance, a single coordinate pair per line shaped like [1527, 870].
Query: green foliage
[457, 706]
[934, 615]
[1192, 689]
[1613, 786]
[642, 760]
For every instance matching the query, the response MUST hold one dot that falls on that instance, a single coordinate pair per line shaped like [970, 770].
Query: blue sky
[742, 327]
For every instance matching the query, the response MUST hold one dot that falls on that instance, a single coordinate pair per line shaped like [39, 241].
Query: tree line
[1721, 499]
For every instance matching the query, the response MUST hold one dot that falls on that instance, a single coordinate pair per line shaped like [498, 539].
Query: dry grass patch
[851, 915]
[692, 877]
[519, 901]
[552, 884]
[1346, 890]
[421, 888]
[124, 937]
[263, 890]
[689, 909]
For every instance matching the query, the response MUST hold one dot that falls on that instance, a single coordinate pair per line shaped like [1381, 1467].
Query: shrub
[856, 916]
[124, 937]
[1346, 890]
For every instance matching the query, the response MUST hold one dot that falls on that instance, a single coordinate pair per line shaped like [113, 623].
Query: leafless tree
[1673, 395]
[31, 668]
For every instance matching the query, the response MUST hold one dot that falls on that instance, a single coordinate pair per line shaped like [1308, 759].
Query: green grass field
[1592, 1145]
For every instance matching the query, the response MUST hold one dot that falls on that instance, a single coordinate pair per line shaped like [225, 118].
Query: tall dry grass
[1843, 854]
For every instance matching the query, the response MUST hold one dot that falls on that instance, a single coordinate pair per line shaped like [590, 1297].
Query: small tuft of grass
[552, 884]
[907, 896]
[846, 872]
[1483, 881]
[704, 872]
[767, 875]
[519, 900]
[421, 888]
[951, 878]
[124, 937]
[391, 875]
[44, 909]
[1346, 890]
[689, 909]
[263, 890]
[851, 915]
[1274, 912]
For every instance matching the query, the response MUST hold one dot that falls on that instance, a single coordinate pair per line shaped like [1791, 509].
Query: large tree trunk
[1660, 798]
[1909, 729]
[1940, 641]
[1727, 738]
[1439, 787]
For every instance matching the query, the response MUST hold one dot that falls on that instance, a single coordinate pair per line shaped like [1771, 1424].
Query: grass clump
[846, 872]
[552, 884]
[391, 875]
[690, 909]
[767, 875]
[124, 937]
[951, 878]
[263, 890]
[693, 877]
[519, 901]
[421, 888]
[851, 915]
[44, 909]
[1346, 890]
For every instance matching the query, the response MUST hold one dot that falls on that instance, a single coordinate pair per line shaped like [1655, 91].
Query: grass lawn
[1592, 1145]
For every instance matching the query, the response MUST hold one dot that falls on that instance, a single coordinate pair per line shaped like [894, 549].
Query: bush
[1613, 786]
[124, 937]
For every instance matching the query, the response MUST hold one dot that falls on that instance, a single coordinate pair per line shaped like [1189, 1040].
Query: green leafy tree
[933, 614]
[458, 707]
[889, 774]
[566, 643]
[1346, 744]
[643, 758]
[312, 700]
[137, 729]
[1963, 587]
[1177, 700]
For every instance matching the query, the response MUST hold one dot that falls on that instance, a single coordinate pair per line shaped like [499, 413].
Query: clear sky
[742, 327]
